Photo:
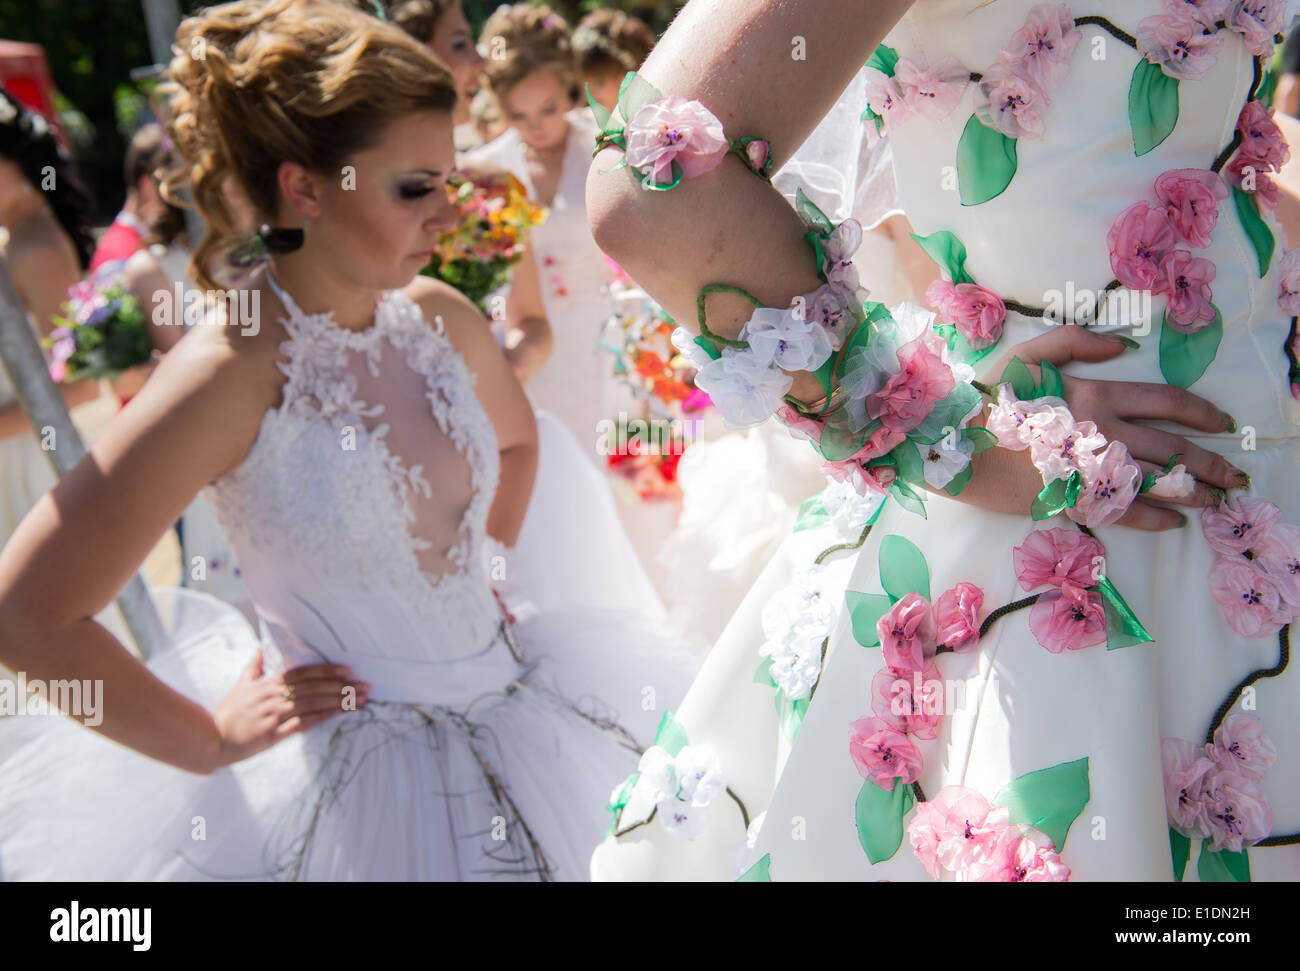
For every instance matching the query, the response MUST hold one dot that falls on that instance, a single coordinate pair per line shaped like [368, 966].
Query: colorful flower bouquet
[493, 218]
[651, 466]
[103, 333]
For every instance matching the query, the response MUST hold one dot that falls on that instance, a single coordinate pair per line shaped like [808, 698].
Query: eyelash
[414, 191]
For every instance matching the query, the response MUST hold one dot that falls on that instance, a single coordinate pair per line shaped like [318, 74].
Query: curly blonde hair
[530, 37]
[254, 83]
[419, 18]
[611, 40]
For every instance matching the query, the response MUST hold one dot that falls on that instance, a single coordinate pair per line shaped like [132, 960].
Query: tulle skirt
[510, 787]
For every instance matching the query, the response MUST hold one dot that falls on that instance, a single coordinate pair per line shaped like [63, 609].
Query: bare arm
[501, 396]
[191, 423]
[42, 274]
[528, 331]
[145, 278]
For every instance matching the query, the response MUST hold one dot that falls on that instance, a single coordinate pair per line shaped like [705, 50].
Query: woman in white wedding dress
[1133, 717]
[359, 445]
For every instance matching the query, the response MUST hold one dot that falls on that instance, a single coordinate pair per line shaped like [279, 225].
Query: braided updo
[254, 83]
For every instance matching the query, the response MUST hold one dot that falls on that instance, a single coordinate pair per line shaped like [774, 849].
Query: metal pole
[43, 402]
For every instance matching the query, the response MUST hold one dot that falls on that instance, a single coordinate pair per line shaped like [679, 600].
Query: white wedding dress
[359, 520]
[1094, 720]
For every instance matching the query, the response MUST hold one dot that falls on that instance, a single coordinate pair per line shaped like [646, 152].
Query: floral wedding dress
[968, 695]
[359, 520]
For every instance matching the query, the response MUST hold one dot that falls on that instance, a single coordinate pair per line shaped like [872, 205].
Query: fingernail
[1229, 423]
[1217, 495]
[1126, 341]
[1182, 520]
[1242, 477]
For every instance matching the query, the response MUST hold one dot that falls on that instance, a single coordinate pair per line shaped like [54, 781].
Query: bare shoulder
[462, 321]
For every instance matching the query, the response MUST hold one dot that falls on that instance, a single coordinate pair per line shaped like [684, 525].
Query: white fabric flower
[796, 620]
[1175, 484]
[941, 465]
[746, 388]
[682, 788]
[849, 512]
[684, 341]
[699, 775]
[790, 341]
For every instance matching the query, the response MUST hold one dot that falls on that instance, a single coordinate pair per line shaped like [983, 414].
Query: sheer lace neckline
[324, 322]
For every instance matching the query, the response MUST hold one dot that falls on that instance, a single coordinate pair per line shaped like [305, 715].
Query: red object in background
[26, 73]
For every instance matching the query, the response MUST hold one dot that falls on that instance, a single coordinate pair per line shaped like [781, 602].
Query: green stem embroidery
[699, 305]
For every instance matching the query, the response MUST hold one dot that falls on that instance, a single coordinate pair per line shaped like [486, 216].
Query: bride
[360, 446]
[1133, 717]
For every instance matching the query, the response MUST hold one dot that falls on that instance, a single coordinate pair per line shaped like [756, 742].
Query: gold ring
[288, 692]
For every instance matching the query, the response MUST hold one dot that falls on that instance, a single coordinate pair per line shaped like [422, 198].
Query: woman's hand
[1007, 481]
[260, 711]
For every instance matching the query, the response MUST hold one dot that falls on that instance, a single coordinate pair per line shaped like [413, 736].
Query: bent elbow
[614, 208]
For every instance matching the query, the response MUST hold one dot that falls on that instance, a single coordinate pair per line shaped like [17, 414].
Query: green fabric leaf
[790, 713]
[884, 59]
[1184, 357]
[1266, 88]
[1050, 799]
[760, 872]
[812, 217]
[959, 481]
[911, 468]
[634, 93]
[1051, 385]
[670, 735]
[865, 611]
[1180, 848]
[710, 348]
[903, 569]
[1152, 106]
[982, 437]
[812, 513]
[880, 816]
[907, 498]
[1261, 237]
[764, 673]
[946, 414]
[598, 109]
[1222, 867]
[1051, 500]
[825, 374]
[837, 442]
[947, 252]
[1021, 380]
[986, 163]
[1123, 629]
[620, 799]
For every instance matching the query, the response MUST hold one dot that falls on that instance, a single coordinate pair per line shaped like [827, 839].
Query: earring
[280, 239]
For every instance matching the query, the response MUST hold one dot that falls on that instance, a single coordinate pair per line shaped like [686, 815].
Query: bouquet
[102, 334]
[493, 218]
[647, 453]
[639, 335]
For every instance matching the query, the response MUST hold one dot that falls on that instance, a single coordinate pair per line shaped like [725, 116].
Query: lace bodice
[359, 515]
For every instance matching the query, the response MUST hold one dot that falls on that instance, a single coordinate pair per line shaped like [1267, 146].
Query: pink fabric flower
[922, 380]
[1139, 240]
[884, 439]
[1186, 279]
[1179, 45]
[977, 313]
[1054, 557]
[798, 424]
[1021, 854]
[1236, 809]
[1191, 198]
[1251, 601]
[1250, 174]
[885, 98]
[910, 702]
[1011, 101]
[907, 633]
[956, 829]
[883, 754]
[932, 92]
[1257, 21]
[672, 129]
[1288, 287]
[956, 617]
[1059, 446]
[1070, 621]
[1185, 768]
[1205, 12]
[1177, 483]
[1045, 44]
[1242, 744]
[1109, 488]
[758, 151]
[1279, 558]
[1234, 529]
[1009, 417]
[1261, 138]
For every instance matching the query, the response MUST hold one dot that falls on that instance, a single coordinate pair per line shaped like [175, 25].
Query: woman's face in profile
[453, 45]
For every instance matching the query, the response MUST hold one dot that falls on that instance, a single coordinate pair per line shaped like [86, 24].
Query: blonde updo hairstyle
[611, 40]
[419, 18]
[257, 83]
[532, 37]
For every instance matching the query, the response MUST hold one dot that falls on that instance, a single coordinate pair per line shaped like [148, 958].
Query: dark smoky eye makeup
[415, 189]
